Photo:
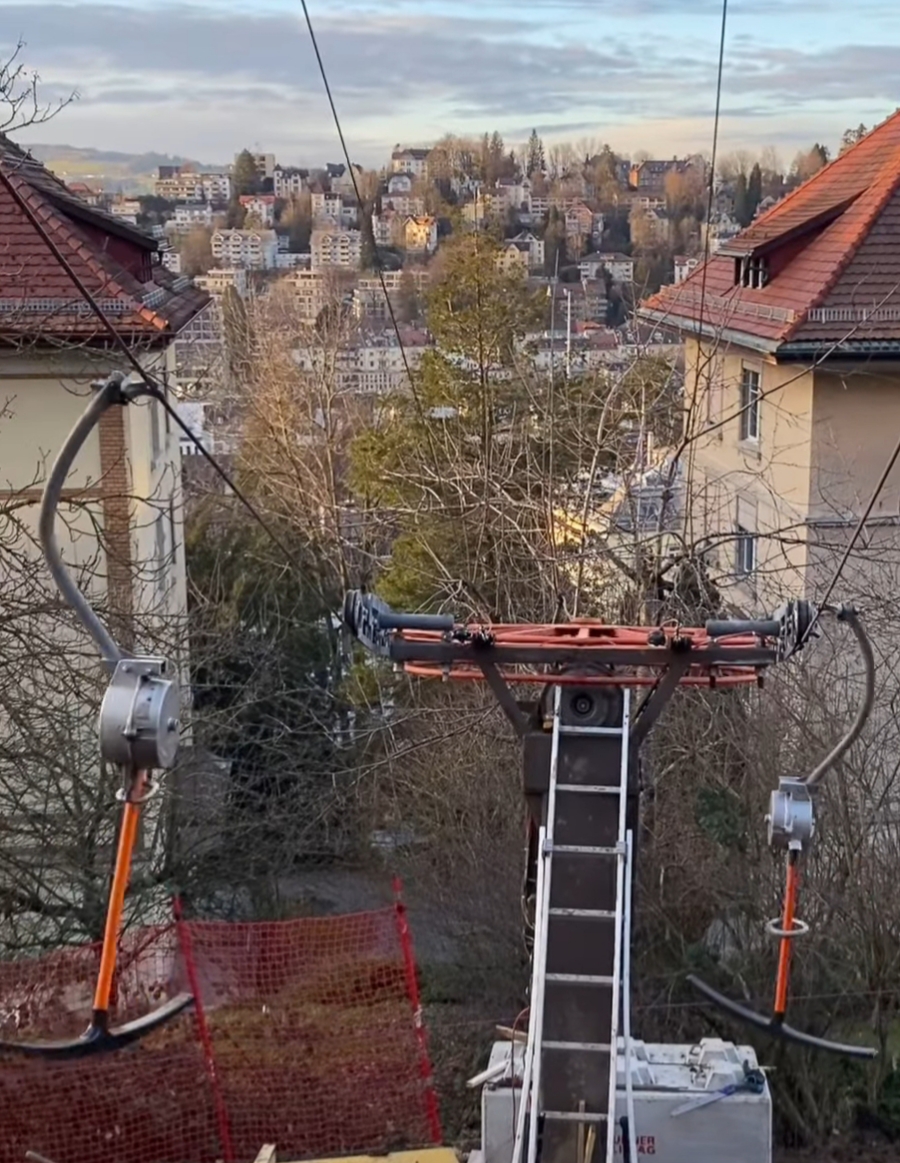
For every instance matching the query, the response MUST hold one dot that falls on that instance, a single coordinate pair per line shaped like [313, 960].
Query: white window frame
[750, 395]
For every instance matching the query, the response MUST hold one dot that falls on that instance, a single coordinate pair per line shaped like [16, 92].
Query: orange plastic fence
[308, 1035]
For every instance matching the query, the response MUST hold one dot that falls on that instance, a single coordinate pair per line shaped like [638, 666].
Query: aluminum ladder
[584, 850]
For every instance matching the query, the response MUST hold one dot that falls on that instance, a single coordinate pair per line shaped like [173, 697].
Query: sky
[205, 78]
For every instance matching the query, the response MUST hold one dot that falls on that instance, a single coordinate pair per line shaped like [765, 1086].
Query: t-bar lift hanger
[138, 729]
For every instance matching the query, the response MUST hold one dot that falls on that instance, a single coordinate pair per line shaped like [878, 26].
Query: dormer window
[751, 271]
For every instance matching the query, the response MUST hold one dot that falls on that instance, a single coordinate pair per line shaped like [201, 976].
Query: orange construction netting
[308, 1035]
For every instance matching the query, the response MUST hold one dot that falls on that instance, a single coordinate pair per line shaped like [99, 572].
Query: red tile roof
[834, 249]
[113, 259]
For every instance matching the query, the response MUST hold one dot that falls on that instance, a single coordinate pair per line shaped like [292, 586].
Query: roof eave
[829, 350]
[694, 328]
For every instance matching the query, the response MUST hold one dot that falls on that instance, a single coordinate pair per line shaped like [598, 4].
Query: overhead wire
[717, 116]
[379, 270]
[152, 383]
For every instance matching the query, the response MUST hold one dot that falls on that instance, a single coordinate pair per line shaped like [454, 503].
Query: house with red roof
[121, 509]
[792, 379]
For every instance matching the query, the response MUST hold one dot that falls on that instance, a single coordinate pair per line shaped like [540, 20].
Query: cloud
[204, 79]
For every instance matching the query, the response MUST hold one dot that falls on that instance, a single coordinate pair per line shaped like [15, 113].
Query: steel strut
[138, 732]
[791, 823]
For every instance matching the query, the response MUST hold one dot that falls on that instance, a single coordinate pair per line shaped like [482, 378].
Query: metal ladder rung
[584, 1047]
[580, 978]
[590, 789]
[576, 1116]
[572, 730]
[584, 850]
[585, 914]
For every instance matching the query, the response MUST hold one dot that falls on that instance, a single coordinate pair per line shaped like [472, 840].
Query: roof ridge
[841, 157]
[889, 179]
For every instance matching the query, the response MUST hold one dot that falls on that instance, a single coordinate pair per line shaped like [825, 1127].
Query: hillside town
[564, 430]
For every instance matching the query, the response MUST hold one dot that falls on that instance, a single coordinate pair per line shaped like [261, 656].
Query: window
[751, 272]
[155, 448]
[745, 552]
[749, 404]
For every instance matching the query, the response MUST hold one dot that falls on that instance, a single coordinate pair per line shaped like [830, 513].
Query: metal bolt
[172, 725]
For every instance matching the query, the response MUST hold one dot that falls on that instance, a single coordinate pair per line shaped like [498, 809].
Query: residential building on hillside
[335, 248]
[216, 188]
[191, 214]
[311, 290]
[289, 181]
[406, 205]
[684, 264]
[651, 175]
[345, 181]
[401, 183]
[220, 279]
[420, 235]
[722, 229]
[513, 194]
[387, 228]
[792, 351]
[373, 365]
[254, 249]
[326, 205]
[179, 187]
[410, 161]
[513, 256]
[620, 267]
[368, 294]
[126, 210]
[535, 247]
[260, 207]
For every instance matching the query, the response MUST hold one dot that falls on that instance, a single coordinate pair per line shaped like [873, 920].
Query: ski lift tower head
[591, 661]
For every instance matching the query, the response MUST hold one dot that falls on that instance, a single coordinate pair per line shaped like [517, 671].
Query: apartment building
[220, 279]
[792, 375]
[289, 181]
[373, 366]
[335, 248]
[178, 185]
[368, 294]
[253, 249]
[189, 215]
[619, 267]
[126, 210]
[410, 161]
[406, 205]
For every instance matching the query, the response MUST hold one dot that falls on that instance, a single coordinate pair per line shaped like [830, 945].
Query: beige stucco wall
[765, 481]
[40, 400]
[856, 419]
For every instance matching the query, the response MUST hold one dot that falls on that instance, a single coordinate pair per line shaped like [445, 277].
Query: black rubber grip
[388, 620]
[764, 627]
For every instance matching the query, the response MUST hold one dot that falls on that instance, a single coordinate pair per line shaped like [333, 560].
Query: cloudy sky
[207, 77]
